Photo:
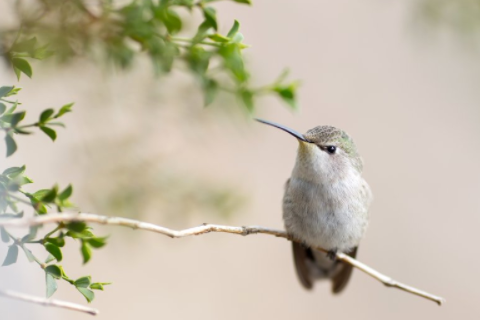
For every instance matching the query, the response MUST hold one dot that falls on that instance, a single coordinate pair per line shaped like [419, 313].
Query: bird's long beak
[294, 133]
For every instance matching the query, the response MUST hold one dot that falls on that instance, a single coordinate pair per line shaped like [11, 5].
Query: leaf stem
[19, 199]
[59, 227]
[207, 43]
[8, 101]
[28, 125]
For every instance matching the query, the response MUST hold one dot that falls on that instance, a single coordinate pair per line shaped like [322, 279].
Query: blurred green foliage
[13, 197]
[118, 34]
[461, 16]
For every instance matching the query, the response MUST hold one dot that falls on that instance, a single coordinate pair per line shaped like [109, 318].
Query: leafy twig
[207, 228]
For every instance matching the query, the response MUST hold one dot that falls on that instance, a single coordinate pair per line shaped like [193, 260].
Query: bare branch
[207, 228]
[48, 302]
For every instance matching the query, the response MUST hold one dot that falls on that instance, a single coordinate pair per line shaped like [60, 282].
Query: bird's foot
[304, 244]
[332, 254]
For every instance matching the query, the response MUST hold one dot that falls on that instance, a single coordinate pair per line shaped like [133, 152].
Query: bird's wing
[340, 280]
[300, 257]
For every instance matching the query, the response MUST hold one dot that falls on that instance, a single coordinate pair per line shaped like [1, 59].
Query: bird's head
[324, 150]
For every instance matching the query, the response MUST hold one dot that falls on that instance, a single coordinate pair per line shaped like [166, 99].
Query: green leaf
[24, 180]
[29, 254]
[249, 2]
[198, 59]
[12, 108]
[210, 90]
[233, 31]
[83, 282]
[85, 234]
[14, 118]
[99, 285]
[65, 194]
[49, 258]
[13, 172]
[3, 107]
[21, 131]
[58, 241]
[87, 293]
[96, 286]
[5, 236]
[202, 32]
[23, 66]
[39, 207]
[31, 235]
[211, 17]
[170, 19]
[218, 38]
[11, 145]
[233, 61]
[18, 73]
[287, 94]
[13, 186]
[86, 252]
[49, 132]
[54, 251]
[97, 242]
[46, 114]
[12, 255]
[47, 196]
[42, 53]
[13, 92]
[54, 270]
[41, 193]
[170, 51]
[76, 226]
[247, 99]
[25, 46]
[51, 284]
[66, 108]
[238, 38]
[4, 91]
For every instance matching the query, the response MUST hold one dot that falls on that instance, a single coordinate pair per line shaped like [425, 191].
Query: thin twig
[48, 302]
[206, 228]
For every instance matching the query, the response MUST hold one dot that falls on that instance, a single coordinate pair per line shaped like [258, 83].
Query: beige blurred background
[410, 98]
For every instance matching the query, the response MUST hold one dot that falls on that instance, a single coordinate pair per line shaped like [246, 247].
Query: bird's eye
[331, 149]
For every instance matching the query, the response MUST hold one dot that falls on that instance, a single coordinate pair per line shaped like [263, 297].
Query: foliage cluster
[154, 28]
[13, 197]
[68, 29]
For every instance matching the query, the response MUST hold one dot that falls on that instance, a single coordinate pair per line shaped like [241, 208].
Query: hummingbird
[325, 204]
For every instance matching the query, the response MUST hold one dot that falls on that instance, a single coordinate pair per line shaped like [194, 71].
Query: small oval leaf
[23, 66]
[11, 145]
[45, 115]
[49, 132]
[54, 270]
[87, 293]
[51, 284]
[83, 282]
[54, 251]
[5, 236]
[12, 256]
[86, 252]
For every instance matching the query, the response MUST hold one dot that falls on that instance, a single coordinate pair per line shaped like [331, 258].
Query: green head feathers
[324, 136]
